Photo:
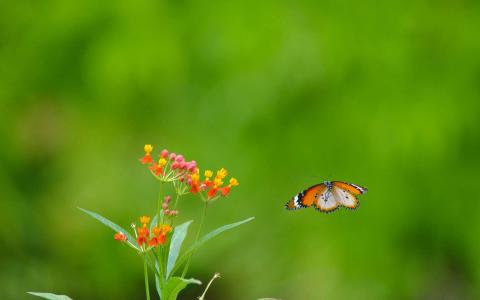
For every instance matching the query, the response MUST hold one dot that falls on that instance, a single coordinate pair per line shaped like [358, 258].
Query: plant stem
[196, 238]
[145, 272]
[215, 276]
[159, 250]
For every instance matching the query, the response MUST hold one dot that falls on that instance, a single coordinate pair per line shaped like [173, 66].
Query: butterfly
[327, 196]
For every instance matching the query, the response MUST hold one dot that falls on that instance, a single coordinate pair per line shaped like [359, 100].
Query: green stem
[159, 250]
[202, 297]
[196, 239]
[145, 272]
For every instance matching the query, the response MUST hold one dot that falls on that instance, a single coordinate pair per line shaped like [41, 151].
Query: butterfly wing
[350, 187]
[345, 198]
[326, 202]
[307, 197]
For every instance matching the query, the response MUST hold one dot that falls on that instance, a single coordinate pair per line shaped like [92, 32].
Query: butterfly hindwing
[306, 198]
[326, 202]
[345, 198]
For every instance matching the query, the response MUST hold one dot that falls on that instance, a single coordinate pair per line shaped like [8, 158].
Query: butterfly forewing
[306, 198]
[350, 187]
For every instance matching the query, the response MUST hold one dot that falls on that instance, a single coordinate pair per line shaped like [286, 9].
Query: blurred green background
[284, 94]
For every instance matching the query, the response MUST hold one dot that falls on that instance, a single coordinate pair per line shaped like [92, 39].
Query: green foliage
[178, 237]
[50, 296]
[289, 93]
[109, 223]
[175, 285]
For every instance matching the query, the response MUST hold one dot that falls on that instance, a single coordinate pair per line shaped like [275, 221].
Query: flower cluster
[212, 186]
[170, 166]
[158, 236]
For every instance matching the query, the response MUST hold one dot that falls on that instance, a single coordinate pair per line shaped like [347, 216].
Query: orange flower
[160, 235]
[158, 240]
[120, 236]
[226, 191]
[143, 235]
[141, 240]
[212, 192]
[156, 169]
[143, 231]
[233, 182]
[156, 231]
[147, 158]
[166, 228]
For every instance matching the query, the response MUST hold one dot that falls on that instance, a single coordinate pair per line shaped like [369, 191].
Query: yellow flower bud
[148, 148]
[222, 173]
[162, 162]
[233, 182]
[144, 220]
[208, 173]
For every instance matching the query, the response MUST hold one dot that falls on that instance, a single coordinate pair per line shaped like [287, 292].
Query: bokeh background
[284, 94]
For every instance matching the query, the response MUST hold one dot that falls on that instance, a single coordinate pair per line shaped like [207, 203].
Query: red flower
[211, 193]
[143, 235]
[195, 188]
[147, 159]
[156, 169]
[158, 240]
[225, 191]
[141, 240]
[120, 236]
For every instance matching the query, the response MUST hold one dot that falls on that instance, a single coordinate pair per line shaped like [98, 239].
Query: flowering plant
[159, 240]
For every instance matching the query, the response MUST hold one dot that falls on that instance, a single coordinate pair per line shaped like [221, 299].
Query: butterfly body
[327, 196]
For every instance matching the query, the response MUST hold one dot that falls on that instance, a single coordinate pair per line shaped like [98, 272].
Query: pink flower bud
[181, 179]
[179, 158]
[192, 166]
[182, 165]
[172, 156]
[174, 165]
[189, 181]
[167, 198]
[174, 212]
[164, 153]
[164, 206]
[166, 211]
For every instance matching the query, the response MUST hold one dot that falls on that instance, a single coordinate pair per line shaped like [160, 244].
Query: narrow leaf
[178, 237]
[175, 285]
[153, 223]
[207, 237]
[50, 296]
[157, 280]
[110, 224]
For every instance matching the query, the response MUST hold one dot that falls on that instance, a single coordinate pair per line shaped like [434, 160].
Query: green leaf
[50, 296]
[175, 285]
[157, 280]
[153, 223]
[178, 237]
[110, 224]
[205, 238]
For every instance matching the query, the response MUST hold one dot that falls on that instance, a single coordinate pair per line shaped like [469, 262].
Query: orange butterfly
[327, 196]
